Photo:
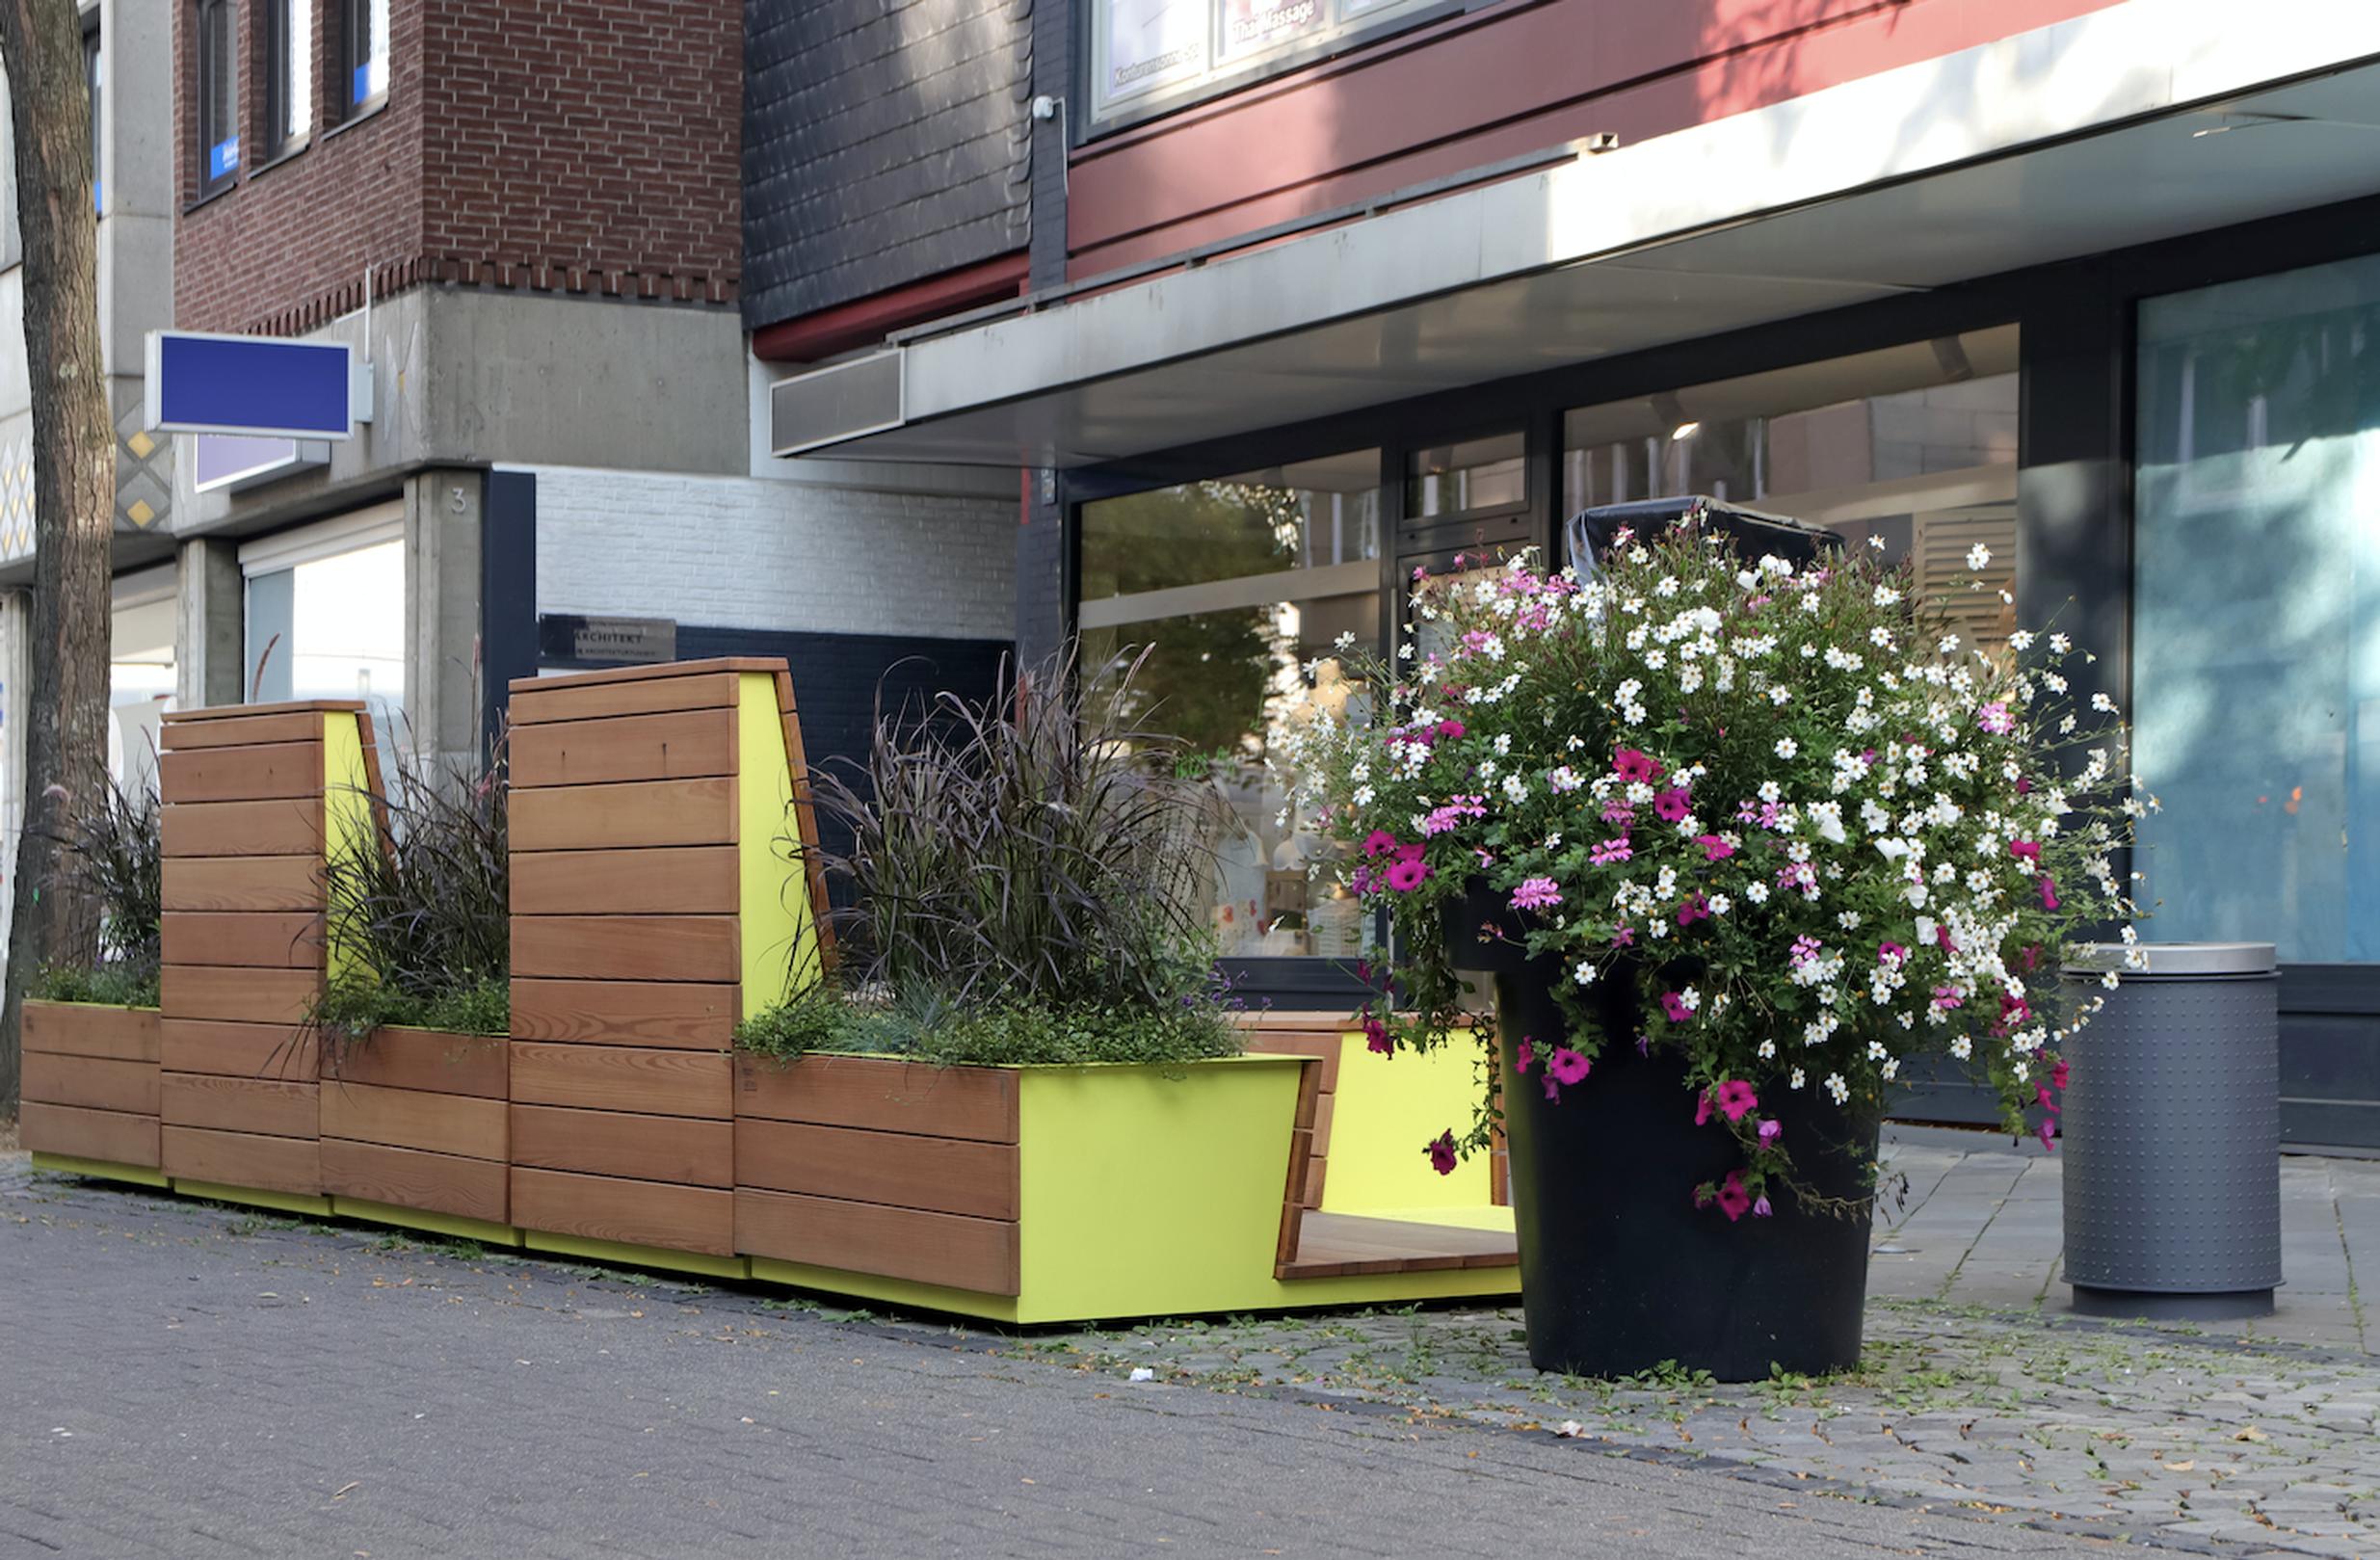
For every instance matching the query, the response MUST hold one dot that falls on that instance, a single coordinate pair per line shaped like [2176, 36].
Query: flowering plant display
[1819, 830]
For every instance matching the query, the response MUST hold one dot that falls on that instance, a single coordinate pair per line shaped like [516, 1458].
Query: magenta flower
[1618, 813]
[1996, 719]
[1734, 1200]
[1805, 949]
[1891, 953]
[1735, 1098]
[1696, 907]
[1407, 876]
[1452, 729]
[1714, 849]
[1553, 1087]
[2048, 1100]
[1632, 764]
[1701, 1108]
[2032, 957]
[2049, 891]
[1675, 1006]
[1411, 853]
[1671, 805]
[2025, 850]
[1535, 894]
[1610, 851]
[1379, 842]
[1567, 1065]
[1624, 937]
[2058, 1076]
[1524, 1056]
[1761, 1208]
[1942, 940]
[2024, 787]
[1947, 997]
[1770, 1131]
[2044, 1132]
[1376, 1037]
[1441, 1152]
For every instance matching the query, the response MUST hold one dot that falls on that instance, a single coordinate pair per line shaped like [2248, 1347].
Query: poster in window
[1153, 43]
[1253, 26]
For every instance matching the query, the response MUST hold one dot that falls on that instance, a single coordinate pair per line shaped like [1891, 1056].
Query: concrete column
[209, 611]
[442, 616]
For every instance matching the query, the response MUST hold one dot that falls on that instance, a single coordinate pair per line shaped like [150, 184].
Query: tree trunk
[73, 492]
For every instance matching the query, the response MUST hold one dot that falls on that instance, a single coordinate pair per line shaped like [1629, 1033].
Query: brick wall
[579, 145]
[775, 555]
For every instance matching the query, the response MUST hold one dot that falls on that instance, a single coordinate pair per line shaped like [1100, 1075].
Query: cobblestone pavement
[189, 1380]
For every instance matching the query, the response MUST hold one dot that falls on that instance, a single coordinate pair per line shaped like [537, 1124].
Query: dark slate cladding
[884, 142]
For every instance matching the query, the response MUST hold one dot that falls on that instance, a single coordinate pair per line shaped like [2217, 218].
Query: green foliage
[116, 985]
[420, 911]
[934, 1031]
[1019, 853]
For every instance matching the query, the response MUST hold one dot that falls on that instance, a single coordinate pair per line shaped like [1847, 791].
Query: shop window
[289, 54]
[363, 54]
[1239, 591]
[325, 615]
[2256, 627]
[141, 671]
[219, 98]
[1914, 444]
[1148, 56]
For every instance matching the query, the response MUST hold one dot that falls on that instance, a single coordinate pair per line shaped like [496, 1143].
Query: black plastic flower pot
[1620, 1271]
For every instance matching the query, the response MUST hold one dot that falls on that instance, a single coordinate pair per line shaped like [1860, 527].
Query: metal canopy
[1988, 160]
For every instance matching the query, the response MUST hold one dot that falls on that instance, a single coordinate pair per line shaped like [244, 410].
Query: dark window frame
[356, 50]
[217, 94]
[280, 74]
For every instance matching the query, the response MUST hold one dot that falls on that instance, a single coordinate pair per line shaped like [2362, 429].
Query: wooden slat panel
[677, 1016]
[627, 947]
[1324, 1044]
[606, 675]
[278, 768]
[246, 995]
[477, 1065]
[181, 735]
[241, 1159]
[679, 1149]
[260, 1105]
[551, 699]
[255, 939]
[682, 745]
[244, 882]
[692, 880]
[638, 1212]
[609, 817]
[95, 1083]
[892, 1097]
[113, 1135]
[238, 1050]
[284, 828]
[415, 1118]
[1336, 1244]
[867, 1237]
[407, 1178]
[1316, 1167]
[245, 712]
[624, 1077]
[939, 1175]
[88, 1029]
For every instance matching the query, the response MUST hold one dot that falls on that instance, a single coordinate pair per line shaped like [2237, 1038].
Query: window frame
[216, 62]
[355, 22]
[285, 76]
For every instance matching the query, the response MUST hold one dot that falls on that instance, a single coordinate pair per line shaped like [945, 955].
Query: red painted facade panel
[1495, 84]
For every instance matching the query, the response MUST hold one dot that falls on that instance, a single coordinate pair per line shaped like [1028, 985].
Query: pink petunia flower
[1567, 1065]
[1734, 1201]
[1379, 842]
[1770, 1131]
[1701, 1108]
[2049, 891]
[2057, 1076]
[1553, 1087]
[1524, 1055]
[2025, 850]
[1407, 876]
[1535, 894]
[1696, 907]
[2044, 1098]
[1761, 1208]
[1671, 805]
[1891, 953]
[1714, 849]
[1675, 1006]
[1376, 1037]
[1632, 764]
[2047, 1135]
[1452, 729]
[1736, 1100]
[1441, 1152]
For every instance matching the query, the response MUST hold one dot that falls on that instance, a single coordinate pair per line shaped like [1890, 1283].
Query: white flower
[1835, 1087]
[1886, 595]
[1786, 747]
[1890, 1068]
[1690, 999]
[1345, 641]
[1798, 1079]
[1364, 795]
[1878, 637]
[2059, 643]
[1721, 904]
[1768, 1050]
[1562, 779]
[2020, 641]
[1780, 697]
[1961, 1047]
[1978, 557]
[1585, 973]
[1516, 790]
[1502, 743]
[1757, 891]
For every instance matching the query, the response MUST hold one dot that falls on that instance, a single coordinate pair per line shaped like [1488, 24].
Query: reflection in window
[1238, 590]
[1449, 480]
[1914, 445]
[332, 627]
[2256, 600]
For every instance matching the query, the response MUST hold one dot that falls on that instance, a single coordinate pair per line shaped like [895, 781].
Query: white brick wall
[738, 552]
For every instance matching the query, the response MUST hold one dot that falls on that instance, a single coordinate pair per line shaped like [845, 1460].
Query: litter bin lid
[2175, 959]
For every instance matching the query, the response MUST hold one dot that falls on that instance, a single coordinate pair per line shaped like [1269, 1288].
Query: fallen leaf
[2252, 1433]
[2183, 1466]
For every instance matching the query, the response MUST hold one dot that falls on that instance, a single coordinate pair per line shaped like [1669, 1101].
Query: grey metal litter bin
[2171, 1134]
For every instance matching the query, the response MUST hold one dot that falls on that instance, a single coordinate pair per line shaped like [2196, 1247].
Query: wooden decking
[1338, 1244]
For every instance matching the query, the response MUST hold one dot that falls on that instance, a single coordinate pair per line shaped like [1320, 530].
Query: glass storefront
[1916, 444]
[2257, 592]
[325, 615]
[1234, 587]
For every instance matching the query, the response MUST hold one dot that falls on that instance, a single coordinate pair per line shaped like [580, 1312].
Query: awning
[2145, 120]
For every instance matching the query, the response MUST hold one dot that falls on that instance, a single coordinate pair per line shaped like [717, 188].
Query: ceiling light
[1685, 431]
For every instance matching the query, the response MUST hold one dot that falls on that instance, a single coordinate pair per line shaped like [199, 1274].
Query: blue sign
[222, 157]
[258, 385]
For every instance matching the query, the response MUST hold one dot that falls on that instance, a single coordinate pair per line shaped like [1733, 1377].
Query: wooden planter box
[89, 1102]
[414, 1131]
[1045, 1194]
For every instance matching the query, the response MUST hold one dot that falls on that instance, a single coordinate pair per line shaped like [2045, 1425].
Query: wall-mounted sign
[563, 636]
[230, 462]
[259, 386]
[1149, 53]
